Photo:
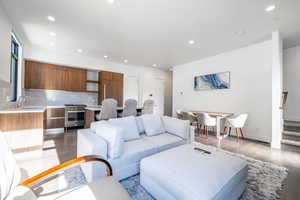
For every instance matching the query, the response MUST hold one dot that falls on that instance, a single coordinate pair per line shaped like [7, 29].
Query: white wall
[5, 39]
[250, 92]
[145, 75]
[291, 82]
[277, 73]
[6, 28]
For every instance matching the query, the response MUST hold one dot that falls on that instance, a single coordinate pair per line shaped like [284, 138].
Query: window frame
[15, 67]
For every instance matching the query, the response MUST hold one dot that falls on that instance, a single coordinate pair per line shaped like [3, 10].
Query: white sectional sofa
[154, 134]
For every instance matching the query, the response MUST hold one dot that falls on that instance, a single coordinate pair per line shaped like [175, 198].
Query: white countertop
[93, 108]
[22, 110]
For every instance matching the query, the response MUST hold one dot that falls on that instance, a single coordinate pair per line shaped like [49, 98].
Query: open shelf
[91, 81]
[92, 91]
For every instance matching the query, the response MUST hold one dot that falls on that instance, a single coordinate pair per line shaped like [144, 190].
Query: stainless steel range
[74, 115]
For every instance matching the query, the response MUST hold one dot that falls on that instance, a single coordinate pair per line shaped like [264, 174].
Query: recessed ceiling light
[191, 42]
[270, 8]
[105, 56]
[52, 44]
[51, 18]
[52, 34]
[79, 50]
[125, 61]
[154, 65]
[110, 1]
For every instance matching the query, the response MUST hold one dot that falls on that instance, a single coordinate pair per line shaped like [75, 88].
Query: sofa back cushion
[113, 135]
[176, 126]
[129, 126]
[97, 124]
[153, 124]
[140, 124]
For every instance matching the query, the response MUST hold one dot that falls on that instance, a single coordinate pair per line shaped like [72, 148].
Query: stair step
[291, 137]
[292, 123]
[290, 142]
[292, 133]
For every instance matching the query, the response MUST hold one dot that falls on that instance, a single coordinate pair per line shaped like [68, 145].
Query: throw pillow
[113, 135]
[176, 126]
[153, 124]
[129, 126]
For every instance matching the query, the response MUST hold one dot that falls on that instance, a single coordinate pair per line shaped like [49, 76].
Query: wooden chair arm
[79, 160]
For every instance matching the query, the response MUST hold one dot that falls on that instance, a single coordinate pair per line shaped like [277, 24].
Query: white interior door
[156, 91]
[132, 88]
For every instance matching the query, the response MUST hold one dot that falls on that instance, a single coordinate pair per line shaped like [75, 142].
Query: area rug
[265, 181]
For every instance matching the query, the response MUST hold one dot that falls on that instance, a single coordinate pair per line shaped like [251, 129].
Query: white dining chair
[108, 110]
[209, 122]
[179, 114]
[148, 107]
[191, 117]
[130, 108]
[237, 122]
[200, 119]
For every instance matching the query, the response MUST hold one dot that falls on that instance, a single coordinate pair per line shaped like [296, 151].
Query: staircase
[291, 133]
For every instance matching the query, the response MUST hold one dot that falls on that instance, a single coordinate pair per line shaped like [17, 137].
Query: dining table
[219, 116]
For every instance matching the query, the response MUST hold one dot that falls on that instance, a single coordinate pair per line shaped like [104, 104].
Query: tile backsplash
[58, 98]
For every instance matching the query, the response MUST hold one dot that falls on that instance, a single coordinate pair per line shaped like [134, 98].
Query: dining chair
[237, 122]
[208, 122]
[130, 108]
[148, 107]
[200, 119]
[193, 119]
[190, 117]
[185, 115]
[108, 110]
[179, 114]
[11, 187]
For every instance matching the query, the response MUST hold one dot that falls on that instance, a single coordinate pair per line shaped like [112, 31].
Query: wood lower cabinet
[23, 131]
[89, 118]
[54, 77]
[111, 86]
[21, 121]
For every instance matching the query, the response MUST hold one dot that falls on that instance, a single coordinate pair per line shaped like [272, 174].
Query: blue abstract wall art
[212, 81]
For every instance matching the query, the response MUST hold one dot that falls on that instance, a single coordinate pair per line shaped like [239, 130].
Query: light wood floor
[60, 148]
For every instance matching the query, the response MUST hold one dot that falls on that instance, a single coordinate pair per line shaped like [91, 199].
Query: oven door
[75, 118]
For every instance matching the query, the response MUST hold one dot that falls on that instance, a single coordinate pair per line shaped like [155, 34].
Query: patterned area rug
[265, 181]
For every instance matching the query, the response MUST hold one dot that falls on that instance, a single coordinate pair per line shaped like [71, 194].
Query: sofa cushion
[134, 151]
[113, 135]
[153, 124]
[129, 126]
[140, 124]
[165, 141]
[95, 125]
[176, 126]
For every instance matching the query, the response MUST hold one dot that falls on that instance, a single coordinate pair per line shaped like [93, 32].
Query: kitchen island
[23, 129]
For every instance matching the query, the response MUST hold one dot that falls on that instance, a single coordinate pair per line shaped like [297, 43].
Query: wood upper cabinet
[111, 86]
[54, 77]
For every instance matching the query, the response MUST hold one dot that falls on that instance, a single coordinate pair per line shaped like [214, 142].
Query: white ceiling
[154, 31]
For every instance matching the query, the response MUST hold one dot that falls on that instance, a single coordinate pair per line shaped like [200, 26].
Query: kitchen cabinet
[89, 118]
[23, 130]
[54, 120]
[54, 77]
[111, 86]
